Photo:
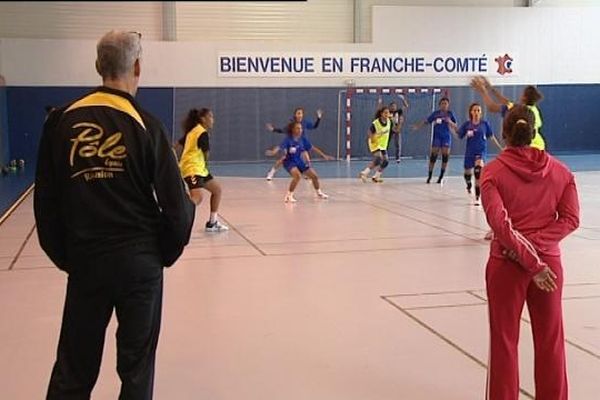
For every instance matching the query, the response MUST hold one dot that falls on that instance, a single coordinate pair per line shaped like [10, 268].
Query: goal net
[357, 108]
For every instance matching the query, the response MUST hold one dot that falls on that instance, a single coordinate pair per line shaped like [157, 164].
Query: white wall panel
[78, 20]
[311, 21]
[366, 7]
[567, 3]
[560, 46]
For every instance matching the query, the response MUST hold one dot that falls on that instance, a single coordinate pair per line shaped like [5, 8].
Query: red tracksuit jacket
[530, 200]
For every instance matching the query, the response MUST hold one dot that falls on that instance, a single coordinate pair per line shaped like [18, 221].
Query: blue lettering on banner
[362, 64]
[275, 65]
[332, 64]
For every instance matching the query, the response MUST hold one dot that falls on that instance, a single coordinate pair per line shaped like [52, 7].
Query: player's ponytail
[193, 118]
[518, 126]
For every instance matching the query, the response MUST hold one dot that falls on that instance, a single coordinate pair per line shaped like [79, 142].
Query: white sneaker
[322, 195]
[216, 227]
[289, 198]
[270, 175]
[363, 177]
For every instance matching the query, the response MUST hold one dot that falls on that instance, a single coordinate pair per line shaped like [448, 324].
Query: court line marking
[447, 340]
[16, 258]
[415, 219]
[449, 246]
[567, 340]
[16, 204]
[236, 230]
[356, 239]
[476, 290]
[263, 254]
[442, 306]
[443, 198]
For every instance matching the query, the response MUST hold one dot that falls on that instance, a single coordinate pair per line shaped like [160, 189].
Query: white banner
[363, 65]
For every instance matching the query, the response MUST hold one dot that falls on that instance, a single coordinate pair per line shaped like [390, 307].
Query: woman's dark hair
[193, 118]
[380, 111]
[518, 126]
[532, 95]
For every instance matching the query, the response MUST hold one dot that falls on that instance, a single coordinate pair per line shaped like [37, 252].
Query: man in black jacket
[111, 210]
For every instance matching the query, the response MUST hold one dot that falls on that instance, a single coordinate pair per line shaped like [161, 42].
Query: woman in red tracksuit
[530, 201]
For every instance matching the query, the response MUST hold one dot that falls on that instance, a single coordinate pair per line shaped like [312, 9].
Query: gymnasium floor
[374, 294]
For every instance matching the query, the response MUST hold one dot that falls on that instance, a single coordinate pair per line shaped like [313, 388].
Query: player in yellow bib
[194, 163]
[378, 140]
[530, 97]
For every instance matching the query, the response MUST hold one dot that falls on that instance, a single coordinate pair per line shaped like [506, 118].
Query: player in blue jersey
[306, 126]
[477, 132]
[296, 161]
[443, 123]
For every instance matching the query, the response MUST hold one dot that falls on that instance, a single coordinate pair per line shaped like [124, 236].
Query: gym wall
[552, 48]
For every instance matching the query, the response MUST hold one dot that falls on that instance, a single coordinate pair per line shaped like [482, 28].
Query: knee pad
[377, 161]
[384, 163]
[433, 158]
[477, 171]
[445, 158]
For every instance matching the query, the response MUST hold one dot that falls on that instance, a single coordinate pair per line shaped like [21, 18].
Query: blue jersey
[477, 135]
[306, 126]
[440, 125]
[294, 148]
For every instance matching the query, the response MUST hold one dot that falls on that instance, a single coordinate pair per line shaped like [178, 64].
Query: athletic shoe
[363, 177]
[377, 179]
[216, 227]
[477, 202]
[397, 161]
[440, 181]
[289, 198]
[270, 175]
[322, 195]
[428, 180]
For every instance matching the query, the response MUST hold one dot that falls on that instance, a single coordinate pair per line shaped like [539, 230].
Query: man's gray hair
[117, 52]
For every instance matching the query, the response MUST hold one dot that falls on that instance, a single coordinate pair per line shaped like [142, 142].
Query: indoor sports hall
[377, 291]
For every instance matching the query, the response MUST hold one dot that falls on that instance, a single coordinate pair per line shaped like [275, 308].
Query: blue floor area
[407, 168]
[16, 183]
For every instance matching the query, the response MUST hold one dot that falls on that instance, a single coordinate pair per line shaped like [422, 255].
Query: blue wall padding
[241, 114]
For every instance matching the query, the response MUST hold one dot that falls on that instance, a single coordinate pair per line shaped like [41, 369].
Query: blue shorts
[289, 165]
[441, 141]
[471, 158]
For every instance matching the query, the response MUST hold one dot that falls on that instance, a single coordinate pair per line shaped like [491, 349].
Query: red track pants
[508, 287]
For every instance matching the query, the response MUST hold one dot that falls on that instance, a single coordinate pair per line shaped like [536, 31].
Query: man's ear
[137, 68]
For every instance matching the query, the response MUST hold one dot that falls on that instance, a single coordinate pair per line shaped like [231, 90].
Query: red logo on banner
[504, 64]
